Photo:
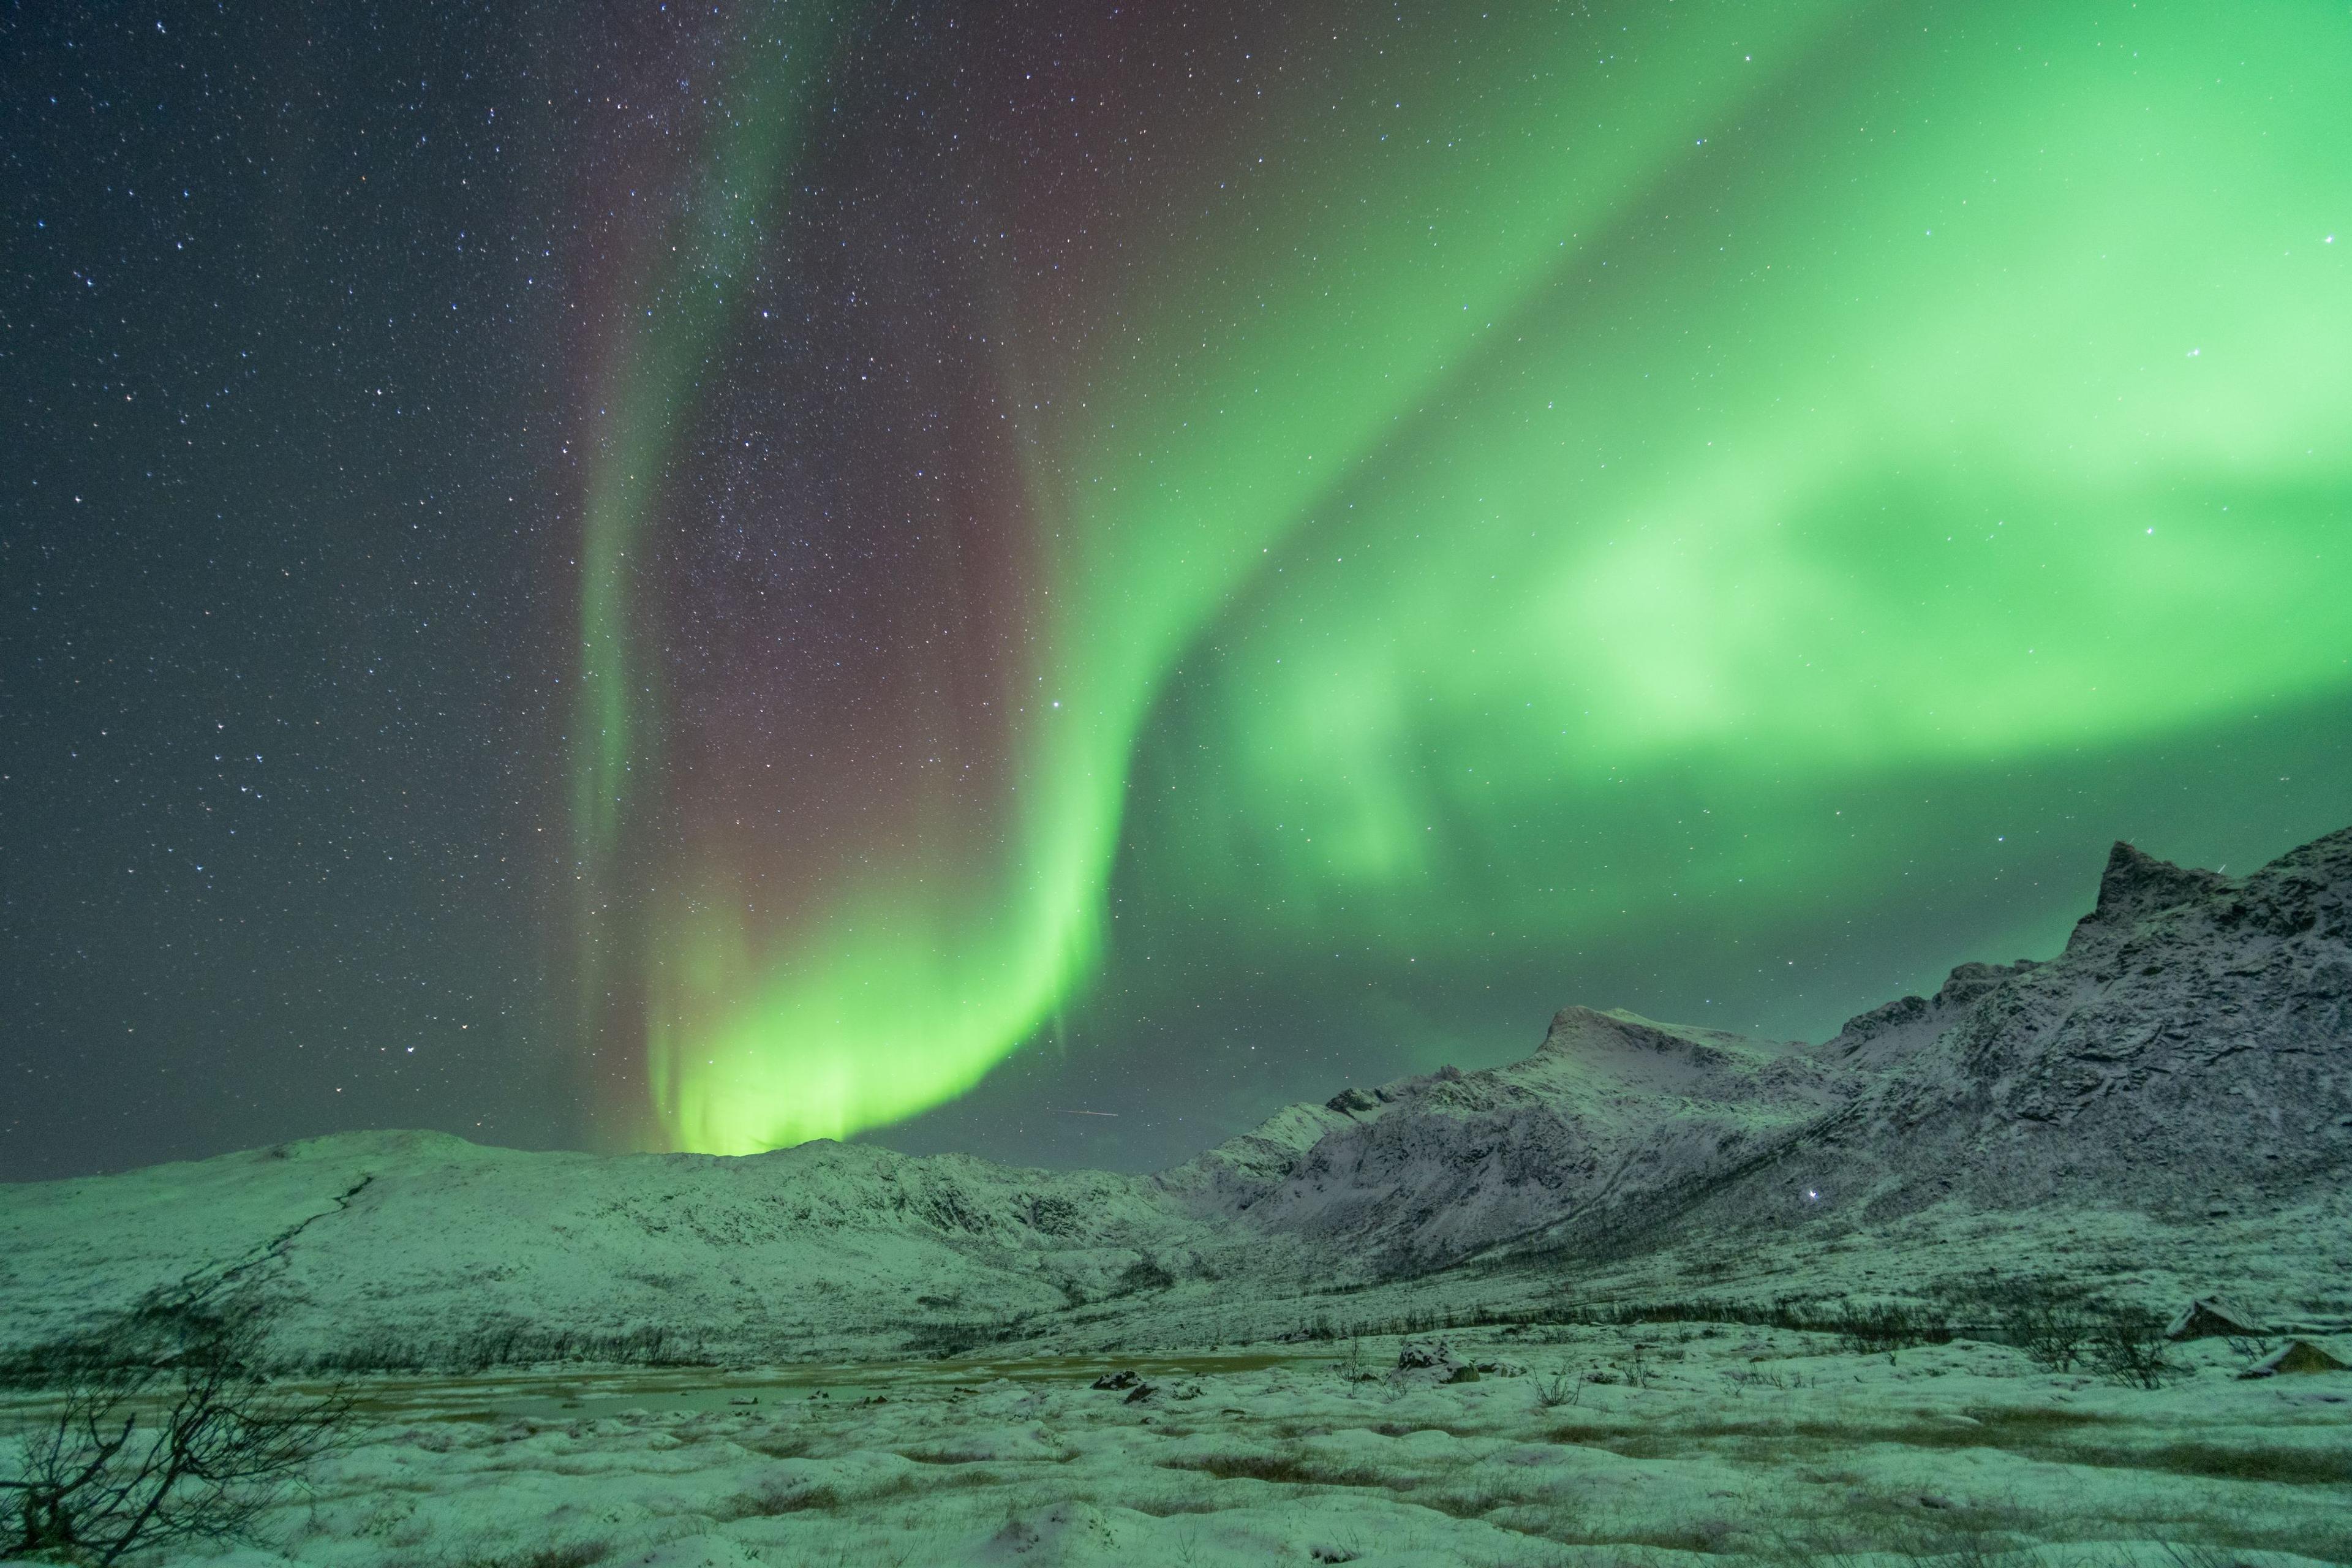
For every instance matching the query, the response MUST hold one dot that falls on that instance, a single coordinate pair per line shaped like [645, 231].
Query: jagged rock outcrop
[2191, 1045]
[2195, 1036]
[1886, 1035]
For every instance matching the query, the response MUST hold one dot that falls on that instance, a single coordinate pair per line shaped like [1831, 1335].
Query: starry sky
[1043, 579]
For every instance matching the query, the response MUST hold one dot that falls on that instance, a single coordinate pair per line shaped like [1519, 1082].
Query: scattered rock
[1424, 1355]
[1446, 1365]
[1117, 1380]
[2208, 1317]
[2294, 1356]
[1139, 1393]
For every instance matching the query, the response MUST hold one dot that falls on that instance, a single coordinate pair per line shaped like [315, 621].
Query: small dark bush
[1888, 1326]
[1144, 1274]
[2128, 1347]
[570, 1554]
[2050, 1321]
[781, 1497]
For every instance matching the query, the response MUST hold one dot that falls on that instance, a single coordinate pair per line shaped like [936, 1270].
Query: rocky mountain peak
[1589, 1031]
[2137, 884]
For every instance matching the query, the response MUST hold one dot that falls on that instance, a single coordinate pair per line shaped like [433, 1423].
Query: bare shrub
[2249, 1348]
[2053, 1335]
[2050, 1322]
[168, 1433]
[2204, 1557]
[1742, 1379]
[1885, 1326]
[1561, 1388]
[2128, 1347]
[508, 1343]
[782, 1496]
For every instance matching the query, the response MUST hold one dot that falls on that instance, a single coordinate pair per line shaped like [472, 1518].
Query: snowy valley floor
[1697, 1445]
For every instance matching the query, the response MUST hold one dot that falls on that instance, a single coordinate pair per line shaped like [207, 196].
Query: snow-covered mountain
[2190, 1051]
[417, 1248]
[1432, 1169]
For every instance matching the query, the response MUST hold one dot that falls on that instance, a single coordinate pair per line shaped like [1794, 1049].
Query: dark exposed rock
[1864, 1027]
[2293, 1357]
[2137, 885]
[1428, 1355]
[1969, 981]
[2206, 1317]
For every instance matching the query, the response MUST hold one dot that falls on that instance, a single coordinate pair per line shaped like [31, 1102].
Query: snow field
[1697, 1444]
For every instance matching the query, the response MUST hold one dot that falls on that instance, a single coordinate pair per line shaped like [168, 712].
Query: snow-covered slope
[409, 1247]
[1430, 1169]
[2190, 1053]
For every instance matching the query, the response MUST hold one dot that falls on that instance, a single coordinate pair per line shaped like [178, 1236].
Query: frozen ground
[1667, 1444]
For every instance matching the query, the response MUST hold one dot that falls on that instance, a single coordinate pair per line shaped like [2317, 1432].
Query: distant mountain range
[2189, 1055]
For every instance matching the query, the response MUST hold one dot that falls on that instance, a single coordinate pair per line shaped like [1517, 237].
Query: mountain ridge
[2190, 1047]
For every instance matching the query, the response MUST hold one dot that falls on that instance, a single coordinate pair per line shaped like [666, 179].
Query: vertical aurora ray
[644, 393]
[1668, 403]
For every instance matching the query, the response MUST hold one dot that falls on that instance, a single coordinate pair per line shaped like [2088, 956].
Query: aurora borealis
[1181, 556]
[1757, 408]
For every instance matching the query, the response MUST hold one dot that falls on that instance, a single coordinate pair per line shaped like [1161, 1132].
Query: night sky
[1043, 579]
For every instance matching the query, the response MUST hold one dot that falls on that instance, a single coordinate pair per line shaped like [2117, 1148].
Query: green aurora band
[1673, 407]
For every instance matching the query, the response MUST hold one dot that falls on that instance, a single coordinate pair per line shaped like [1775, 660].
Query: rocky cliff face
[2193, 1040]
[2190, 1049]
